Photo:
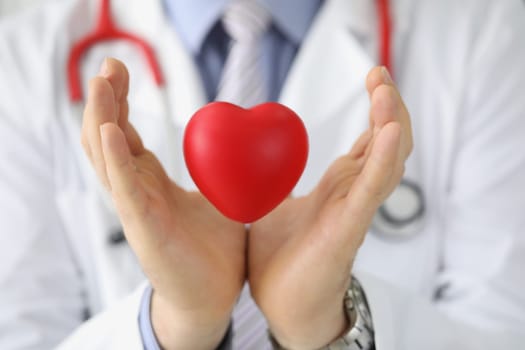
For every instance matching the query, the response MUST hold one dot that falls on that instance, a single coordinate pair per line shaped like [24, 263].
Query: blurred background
[13, 6]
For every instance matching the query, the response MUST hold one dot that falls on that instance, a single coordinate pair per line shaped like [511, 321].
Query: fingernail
[104, 69]
[386, 76]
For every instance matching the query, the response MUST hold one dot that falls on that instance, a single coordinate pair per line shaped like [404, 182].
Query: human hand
[301, 254]
[193, 256]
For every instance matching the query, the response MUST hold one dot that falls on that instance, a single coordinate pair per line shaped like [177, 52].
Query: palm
[301, 235]
[192, 255]
[301, 254]
[187, 234]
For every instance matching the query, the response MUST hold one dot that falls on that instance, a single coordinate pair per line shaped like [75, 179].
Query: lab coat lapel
[326, 87]
[338, 52]
[185, 92]
[330, 69]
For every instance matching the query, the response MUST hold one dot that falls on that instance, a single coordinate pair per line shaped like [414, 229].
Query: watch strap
[360, 334]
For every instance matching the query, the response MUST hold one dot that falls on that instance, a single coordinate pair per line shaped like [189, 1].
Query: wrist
[317, 332]
[360, 331]
[186, 329]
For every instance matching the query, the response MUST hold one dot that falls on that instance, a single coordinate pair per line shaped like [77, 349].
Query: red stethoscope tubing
[106, 30]
[385, 33]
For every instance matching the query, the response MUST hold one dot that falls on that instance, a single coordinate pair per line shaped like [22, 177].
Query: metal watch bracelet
[360, 334]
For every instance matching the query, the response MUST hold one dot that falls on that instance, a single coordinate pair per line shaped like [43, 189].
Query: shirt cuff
[146, 329]
[149, 340]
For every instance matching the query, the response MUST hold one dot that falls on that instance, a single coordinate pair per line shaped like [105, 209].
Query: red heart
[245, 161]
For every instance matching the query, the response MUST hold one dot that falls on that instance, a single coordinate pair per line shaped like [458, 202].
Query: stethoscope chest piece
[402, 215]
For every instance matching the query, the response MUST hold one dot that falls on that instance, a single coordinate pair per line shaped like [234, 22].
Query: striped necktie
[242, 83]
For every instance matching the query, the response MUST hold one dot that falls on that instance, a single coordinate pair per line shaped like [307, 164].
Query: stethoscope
[401, 215]
[107, 30]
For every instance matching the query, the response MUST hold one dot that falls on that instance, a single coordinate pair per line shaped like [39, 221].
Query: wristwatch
[360, 334]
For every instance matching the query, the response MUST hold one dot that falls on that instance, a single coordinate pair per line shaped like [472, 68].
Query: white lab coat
[459, 65]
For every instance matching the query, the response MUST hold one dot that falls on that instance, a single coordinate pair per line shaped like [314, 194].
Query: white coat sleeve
[43, 295]
[114, 329]
[41, 290]
[481, 305]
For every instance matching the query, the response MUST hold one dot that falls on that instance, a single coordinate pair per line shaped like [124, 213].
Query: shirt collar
[194, 19]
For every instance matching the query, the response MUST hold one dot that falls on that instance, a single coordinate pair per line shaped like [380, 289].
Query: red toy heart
[245, 161]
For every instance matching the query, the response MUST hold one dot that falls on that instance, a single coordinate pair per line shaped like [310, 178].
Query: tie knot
[245, 20]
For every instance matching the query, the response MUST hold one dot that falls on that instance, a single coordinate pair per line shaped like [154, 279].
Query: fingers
[107, 103]
[374, 183]
[387, 106]
[378, 76]
[360, 146]
[134, 141]
[117, 75]
[100, 109]
[121, 170]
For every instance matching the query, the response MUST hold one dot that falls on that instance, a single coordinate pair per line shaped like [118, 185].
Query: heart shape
[245, 161]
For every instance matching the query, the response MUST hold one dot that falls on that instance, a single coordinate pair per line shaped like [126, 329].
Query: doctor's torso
[325, 87]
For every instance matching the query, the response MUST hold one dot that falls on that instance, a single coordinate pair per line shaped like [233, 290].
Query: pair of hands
[297, 259]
